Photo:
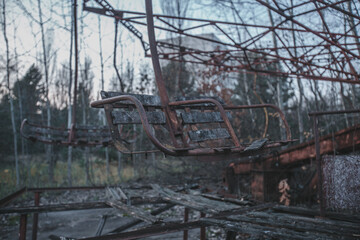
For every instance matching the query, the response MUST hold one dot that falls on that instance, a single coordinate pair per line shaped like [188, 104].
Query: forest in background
[41, 90]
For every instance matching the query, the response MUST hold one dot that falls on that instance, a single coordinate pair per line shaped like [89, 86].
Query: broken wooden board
[230, 200]
[195, 202]
[256, 145]
[257, 231]
[330, 228]
[137, 221]
[134, 212]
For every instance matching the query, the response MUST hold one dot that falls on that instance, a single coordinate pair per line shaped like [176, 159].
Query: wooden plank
[48, 139]
[203, 117]
[230, 200]
[146, 100]
[194, 201]
[301, 223]
[256, 145]
[208, 134]
[133, 117]
[134, 212]
[94, 128]
[55, 237]
[311, 212]
[137, 221]
[260, 232]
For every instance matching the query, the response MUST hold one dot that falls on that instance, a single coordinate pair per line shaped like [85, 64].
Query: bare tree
[179, 9]
[8, 70]
[122, 87]
[102, 87]
[69, 157]
[279, 94]
[300, 85]
[45, 62]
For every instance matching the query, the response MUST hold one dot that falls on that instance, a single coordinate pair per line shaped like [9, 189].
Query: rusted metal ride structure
[329, 56]
[186, 127]
[326, 53]
[278, 221]
[316, 52]
[73, 136]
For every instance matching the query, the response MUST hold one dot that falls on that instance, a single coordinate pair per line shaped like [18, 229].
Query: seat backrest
[124, 112]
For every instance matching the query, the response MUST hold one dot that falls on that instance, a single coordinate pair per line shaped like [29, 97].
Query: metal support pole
[186, 219]
[202, 229]
[22, 230]
[35, 216]
[318, 166]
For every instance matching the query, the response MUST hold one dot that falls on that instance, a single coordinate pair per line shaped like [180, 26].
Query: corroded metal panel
[341, 182]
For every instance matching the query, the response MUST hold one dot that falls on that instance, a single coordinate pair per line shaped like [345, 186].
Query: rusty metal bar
[6, 200]
[202, 229]
[318, 167]
[22, 229]
[333, 112]
[170, 115]
[35, 216]
[186, 219]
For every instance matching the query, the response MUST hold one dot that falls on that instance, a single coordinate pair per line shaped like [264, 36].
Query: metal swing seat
[79, 136]
[183, 127]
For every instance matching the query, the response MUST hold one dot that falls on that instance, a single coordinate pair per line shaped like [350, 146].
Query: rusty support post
[186, 219]
[318, 165]
[22, 230]
[202, 229]
[35, 216]
[73, 120]
[164, 97]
